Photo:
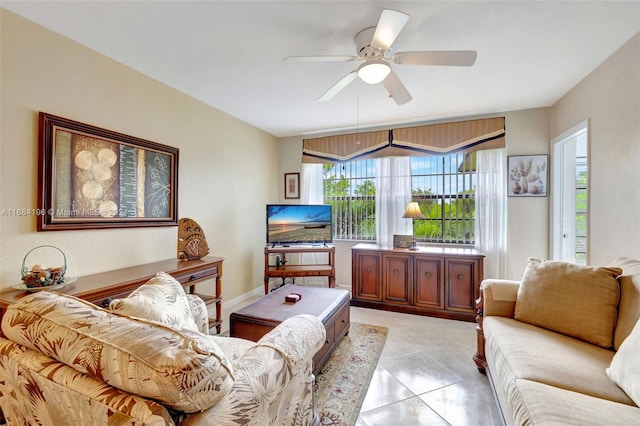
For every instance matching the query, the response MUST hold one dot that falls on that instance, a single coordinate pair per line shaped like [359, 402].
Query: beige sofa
[560, 347]
[146, 360]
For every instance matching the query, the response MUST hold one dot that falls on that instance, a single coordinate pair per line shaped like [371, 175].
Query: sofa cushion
[625, 366]
[182, 369]
[540, 404]
[629, 308]
[580, 301]
[162, 299]
[517, 350]
[31, 379]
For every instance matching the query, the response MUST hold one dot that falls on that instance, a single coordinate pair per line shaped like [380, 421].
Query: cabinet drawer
[429, 291]
[397, 279]
[328, 343]
[103, 302]
[460, 282]
[197, 275]
[342, 321]
[366, 280]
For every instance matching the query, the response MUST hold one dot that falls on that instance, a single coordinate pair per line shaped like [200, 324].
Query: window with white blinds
[444, 186]
[350, 189]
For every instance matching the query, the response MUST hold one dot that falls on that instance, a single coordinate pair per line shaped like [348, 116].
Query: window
[350, 188]
[581, 209]
[569, 233]
[444, 186]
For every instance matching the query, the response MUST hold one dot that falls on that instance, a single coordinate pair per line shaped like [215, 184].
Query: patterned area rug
[343, 381]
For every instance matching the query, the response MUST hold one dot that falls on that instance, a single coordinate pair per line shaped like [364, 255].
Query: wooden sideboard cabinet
[101, 288]
[441, 282]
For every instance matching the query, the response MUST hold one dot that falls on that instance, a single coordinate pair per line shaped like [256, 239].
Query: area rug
[342, 383]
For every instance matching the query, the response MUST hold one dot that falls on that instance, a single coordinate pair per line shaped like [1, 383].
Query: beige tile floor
[425, 375]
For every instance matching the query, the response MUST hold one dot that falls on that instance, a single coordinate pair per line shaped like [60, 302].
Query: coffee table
[330, 305]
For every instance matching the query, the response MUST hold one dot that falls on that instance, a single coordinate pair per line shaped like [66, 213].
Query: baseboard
[239, 299]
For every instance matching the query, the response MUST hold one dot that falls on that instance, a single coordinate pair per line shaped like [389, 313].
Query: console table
[287, 270]
[441, 282]
[101, 288]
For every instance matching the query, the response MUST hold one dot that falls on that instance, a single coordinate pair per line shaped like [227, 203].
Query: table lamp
[413, 212]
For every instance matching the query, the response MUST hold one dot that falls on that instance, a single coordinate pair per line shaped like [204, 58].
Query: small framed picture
[402, 241]
[292, 185]
[527, 175]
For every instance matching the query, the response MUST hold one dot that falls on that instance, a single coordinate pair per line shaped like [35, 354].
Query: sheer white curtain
[311, 192]
[311, 189]
[491, 210]
[393, 192]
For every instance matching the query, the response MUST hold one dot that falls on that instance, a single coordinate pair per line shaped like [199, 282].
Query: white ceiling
[229, 54]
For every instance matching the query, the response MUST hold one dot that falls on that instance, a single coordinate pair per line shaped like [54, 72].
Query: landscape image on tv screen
[298, 223]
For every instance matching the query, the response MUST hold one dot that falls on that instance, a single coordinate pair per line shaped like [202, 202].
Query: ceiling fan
[373, 45]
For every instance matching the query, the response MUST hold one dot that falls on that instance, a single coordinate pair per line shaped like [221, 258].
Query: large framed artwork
[91, 178]
[528, 175]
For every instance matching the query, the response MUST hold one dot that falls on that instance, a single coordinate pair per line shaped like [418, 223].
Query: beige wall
[609, 98]
[220, 186]
[527, 133]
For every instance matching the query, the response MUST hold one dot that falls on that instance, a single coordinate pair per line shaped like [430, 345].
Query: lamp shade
[413, 211]
[373, 72]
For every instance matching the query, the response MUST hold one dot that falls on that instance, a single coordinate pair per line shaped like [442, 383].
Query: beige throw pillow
[629, 308]
[580, 301]
[162, 299]
[625, 365]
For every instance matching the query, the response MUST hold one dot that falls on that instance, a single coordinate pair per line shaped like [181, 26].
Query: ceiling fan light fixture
[374, 72]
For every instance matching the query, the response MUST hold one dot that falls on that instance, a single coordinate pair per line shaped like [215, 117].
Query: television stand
[286, 269]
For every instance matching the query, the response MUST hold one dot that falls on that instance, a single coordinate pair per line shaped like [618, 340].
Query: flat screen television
[298, 224]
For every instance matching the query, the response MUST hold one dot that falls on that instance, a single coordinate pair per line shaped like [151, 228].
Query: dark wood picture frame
[292, 185]
[93, 178]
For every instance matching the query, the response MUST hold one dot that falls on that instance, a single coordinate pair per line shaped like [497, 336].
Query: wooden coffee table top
[316, 301]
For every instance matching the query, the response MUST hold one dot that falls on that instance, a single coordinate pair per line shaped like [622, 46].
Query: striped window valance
[432, 139]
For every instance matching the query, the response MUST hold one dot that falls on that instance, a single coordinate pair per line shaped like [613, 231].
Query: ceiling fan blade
[389, 26]
[462, 58]
[327, 58]
[396, 89]
[336, 88]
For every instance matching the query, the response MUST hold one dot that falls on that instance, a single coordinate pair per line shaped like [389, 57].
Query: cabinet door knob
[193, 277]
[106, 302]
[460, 277]
[396, 271]
[427, 274]
[368, 268]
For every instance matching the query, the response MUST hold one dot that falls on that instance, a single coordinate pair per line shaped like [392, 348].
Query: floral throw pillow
[161, 299]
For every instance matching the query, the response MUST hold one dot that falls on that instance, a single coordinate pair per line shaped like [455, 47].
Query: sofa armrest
[499, 297]
[274, 383]
[199, 313]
